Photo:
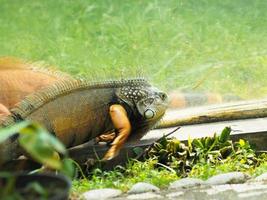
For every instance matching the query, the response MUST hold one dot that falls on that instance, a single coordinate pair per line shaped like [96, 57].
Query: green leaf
[214, 142]
[225, 135]
[41, 145]
[44, 136]
[68, 167]
[208, 142]
[190, 144]
[197, 143]
[5, 133]
[39, 151]
[242, 143]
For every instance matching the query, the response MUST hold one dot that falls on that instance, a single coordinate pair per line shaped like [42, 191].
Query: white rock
[143, 187]
[186, 183]
[228, 178]
[101, 194]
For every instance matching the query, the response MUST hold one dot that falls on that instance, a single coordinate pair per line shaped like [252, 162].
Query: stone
[142, 187]
[147, 195]
[175, 194]
[262, 177]
[253, 195]
[228, 178]
[101, 194]
[186, 183]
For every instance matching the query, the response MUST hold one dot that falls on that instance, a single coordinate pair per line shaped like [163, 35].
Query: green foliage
[7, 132]
[40, 145]
[205, 153]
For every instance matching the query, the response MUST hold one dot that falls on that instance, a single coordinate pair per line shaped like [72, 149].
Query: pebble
[97, 194]
[186, 183]
[228, 178]
[226, 186]
[142, 187]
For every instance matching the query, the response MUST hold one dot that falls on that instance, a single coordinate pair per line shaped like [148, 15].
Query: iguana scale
[77, 111]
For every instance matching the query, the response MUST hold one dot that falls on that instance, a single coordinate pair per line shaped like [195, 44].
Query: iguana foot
[112, 153]
[106, 137]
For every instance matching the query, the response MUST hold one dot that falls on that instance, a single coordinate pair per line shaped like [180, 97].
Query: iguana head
[144, 100]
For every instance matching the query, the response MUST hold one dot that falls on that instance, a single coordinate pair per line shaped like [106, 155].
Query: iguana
[77, 111]
[19, 78]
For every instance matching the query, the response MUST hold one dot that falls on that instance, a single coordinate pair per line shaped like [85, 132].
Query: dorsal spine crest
[61, 88]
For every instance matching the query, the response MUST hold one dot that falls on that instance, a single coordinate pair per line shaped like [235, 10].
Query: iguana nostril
[149, 114]
[163, 96]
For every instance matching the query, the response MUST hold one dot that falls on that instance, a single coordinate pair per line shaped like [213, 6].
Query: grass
[123, 178]
[161, 177]
[170, 160]
[212, 45]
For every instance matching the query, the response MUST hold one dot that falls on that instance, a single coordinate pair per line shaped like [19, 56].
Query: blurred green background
[208, 45]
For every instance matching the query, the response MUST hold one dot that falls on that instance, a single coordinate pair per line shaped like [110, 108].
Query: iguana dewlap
[77, 111]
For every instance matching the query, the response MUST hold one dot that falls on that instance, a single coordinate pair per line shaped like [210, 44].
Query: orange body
[18, 79]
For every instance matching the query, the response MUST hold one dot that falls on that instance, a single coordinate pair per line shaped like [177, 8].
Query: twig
[167, 167]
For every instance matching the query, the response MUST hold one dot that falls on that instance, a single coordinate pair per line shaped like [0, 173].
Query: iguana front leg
[122, 127]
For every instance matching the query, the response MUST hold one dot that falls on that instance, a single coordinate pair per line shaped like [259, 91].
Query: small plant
[39, 144]
[211, 151]
[43, 148]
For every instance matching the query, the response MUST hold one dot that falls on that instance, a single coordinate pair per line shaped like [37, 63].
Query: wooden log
[215, 113]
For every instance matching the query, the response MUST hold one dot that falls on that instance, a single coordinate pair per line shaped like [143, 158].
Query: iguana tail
[180, 99]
